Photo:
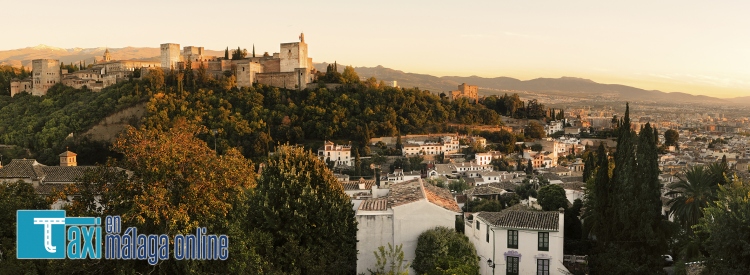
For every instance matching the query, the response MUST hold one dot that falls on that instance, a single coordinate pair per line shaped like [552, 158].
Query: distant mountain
[19, 57]
[564, 86]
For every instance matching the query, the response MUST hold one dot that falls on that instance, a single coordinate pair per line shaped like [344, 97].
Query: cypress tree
[529, 168]
[627, 208]
[226, 53]
[588, 166]
[253, 50]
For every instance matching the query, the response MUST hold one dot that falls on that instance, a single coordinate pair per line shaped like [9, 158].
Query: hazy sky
[699, 47]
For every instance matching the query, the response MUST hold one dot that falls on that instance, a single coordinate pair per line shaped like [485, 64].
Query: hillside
[567, 86]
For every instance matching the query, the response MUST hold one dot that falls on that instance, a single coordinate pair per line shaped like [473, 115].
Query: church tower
[107, 56]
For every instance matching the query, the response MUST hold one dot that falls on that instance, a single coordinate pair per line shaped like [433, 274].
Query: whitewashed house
[340, 154]
[399, 217]
[518, 241]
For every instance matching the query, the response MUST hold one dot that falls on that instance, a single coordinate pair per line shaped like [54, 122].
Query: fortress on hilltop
[290, 68]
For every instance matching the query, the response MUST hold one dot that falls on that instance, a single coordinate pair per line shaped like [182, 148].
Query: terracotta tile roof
[485, 190]
[379, 204]
[441, 197]
[523, 219]
[49, 188]
[411, 191]
[65, 174]
[404, 192]
[574, 185]
[68, 154]
[354, 184]
[22, 168]
[507, 185]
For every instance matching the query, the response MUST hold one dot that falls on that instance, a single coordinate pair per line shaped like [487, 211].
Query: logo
[49, 234]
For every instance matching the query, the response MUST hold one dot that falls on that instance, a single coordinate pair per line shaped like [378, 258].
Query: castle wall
[271, 65]
[45, 74]
[170, 55]
[18, 86]
[286, 80]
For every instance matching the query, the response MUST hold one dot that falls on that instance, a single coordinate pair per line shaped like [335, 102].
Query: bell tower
[107, 56]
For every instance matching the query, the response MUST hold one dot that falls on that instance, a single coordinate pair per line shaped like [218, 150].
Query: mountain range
[564, 86]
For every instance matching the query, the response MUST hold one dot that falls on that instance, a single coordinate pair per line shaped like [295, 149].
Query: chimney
[361, 183]
[561, 224]
[68, 158]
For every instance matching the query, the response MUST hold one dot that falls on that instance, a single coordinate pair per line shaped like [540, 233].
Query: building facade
[518, 241]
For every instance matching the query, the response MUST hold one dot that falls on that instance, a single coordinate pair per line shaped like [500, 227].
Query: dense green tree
[349, 75]
[534, 130]
[726, 223]
[693, 192]
[589, 165]
[17, 196]
[442, 250]
[671, 138]
[552, 197]
[629, 229]
[303, 208]
[536, 147]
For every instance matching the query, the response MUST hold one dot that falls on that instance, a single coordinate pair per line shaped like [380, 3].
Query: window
[512, 238]
[543, 241]
[511, 265]
[477, 224]
[542, 267]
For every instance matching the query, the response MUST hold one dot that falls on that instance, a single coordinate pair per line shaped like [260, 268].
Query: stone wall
[286, 80]
[271, 65]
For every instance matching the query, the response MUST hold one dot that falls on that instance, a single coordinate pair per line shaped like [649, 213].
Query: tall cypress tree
[626, 209]
[226, 53]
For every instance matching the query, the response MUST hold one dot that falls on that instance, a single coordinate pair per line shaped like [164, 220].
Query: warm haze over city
[384, 137]
[695, 47]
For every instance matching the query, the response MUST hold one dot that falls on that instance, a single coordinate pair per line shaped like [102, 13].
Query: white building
[399, 175]
[518, 241]
[409, 209]
[554, 127]
[482, 158]
[340, 154]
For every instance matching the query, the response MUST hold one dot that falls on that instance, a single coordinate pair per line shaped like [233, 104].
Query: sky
[697, 47]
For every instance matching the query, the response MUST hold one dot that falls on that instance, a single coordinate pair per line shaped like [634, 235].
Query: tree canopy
[552, 197]
[442, 250]
[304, 214]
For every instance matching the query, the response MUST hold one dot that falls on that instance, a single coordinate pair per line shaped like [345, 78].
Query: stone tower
[107, 56]
[293, 55]
[170, 55]
[45, 73]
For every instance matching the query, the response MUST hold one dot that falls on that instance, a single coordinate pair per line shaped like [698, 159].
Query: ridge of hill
[565, 86]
